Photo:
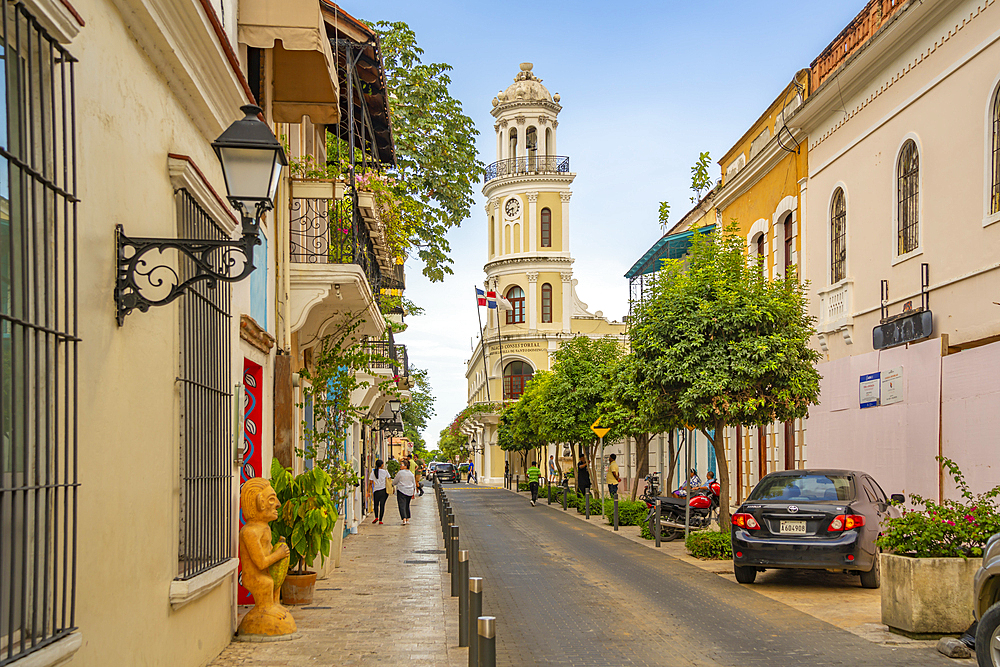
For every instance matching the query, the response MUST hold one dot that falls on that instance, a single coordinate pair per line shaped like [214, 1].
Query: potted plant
[306, 520]
[931, 556]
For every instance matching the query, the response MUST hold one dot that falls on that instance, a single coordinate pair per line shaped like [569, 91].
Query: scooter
[703, 505]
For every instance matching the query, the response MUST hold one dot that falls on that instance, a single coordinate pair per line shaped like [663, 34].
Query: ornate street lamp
[391, 423]
[252, 159]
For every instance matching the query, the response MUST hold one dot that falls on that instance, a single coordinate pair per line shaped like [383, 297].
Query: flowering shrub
[954, 528]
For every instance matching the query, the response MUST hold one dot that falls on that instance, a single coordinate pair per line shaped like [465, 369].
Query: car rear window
[804, 488]
[446, 467]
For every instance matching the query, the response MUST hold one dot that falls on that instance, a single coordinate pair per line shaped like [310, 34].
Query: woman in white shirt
[377, 480]
[406, 486]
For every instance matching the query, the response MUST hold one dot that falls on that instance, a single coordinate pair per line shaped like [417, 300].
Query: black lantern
[390, 420]
[251, 159]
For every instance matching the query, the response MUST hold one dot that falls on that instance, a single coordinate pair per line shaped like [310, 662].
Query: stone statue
[260, 506]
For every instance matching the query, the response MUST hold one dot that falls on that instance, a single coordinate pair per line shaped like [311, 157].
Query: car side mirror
[897, 498]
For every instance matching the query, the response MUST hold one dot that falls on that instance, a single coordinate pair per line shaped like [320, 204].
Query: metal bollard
[487, 640]
[616, 513]
[454, 558]
[448, 542]
[586, 502]
[517, 483]
[475, 611]
[565, 493]
[656, 524]
[463, 597]
[548, 486]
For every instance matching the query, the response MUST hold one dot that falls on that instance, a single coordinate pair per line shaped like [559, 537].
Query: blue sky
[646, 86]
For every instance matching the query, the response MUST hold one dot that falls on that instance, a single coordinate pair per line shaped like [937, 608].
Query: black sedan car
[811, 519]
[446, 472]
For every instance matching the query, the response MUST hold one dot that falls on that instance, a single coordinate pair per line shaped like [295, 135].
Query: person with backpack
[533, 474]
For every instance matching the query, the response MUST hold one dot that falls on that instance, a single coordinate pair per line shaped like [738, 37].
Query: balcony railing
[531, 164]
[391, 356]
[834, 307]
[331, 230]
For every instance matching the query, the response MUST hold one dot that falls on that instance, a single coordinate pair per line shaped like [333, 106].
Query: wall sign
[906, 328]
[893, 389]
[870, 388]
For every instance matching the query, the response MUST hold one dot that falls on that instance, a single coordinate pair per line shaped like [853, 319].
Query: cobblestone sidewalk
[387, 604]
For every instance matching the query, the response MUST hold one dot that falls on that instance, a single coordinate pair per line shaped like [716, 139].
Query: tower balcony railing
[529, 164]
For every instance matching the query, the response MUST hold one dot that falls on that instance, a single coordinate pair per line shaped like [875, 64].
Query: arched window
[531, 146]
[546, 228]
[513, 143]
[516, 374]
[493, 223]
[995, 190]
[546, 302]
[758, 244]
[789, 243]
[838, 237]
[908, 198]
[516, 297]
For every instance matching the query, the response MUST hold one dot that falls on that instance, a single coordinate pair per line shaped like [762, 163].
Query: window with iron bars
[38, 338]
[206, 387]
[838, 237]
[908, 198]
[995, 155]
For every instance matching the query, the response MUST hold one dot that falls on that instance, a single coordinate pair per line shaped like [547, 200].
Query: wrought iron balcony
[390, 356]
[330, 229]
[531, 164]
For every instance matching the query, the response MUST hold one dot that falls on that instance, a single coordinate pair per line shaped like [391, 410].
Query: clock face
[512, 207]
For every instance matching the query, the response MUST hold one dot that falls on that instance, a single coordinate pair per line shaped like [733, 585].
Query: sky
[645, 86]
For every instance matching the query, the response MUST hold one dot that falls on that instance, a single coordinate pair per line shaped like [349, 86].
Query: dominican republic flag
[494, 301]
[480, 297]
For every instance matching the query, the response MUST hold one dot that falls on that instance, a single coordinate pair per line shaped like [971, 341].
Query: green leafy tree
[720, 344]
[517, 431]
[580, 382]
[339, 361]
[435, 146]
[632, 412]
[664, 215]
[418, 411]
[701, 179]
[453, 445]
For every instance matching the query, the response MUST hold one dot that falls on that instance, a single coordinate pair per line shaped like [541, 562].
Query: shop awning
[304, 69]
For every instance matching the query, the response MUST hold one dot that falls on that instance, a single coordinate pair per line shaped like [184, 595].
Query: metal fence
[206, 408]
[530, 164]
[38, 338]
[331, 231]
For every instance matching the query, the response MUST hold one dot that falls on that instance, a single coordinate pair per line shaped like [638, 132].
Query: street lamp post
[252, 159]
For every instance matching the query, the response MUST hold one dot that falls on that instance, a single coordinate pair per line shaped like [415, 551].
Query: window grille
[206, 408]
[38, 338]
[908, 189]
[995, 191]
[546, 302]
[546, 228]
[516, 297]
[838, 237]
[516, 374]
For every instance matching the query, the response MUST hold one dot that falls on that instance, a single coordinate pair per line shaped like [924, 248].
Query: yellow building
[528, 260]
[764, 182]
[764, 190]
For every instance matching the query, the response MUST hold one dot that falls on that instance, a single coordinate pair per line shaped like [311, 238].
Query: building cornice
[524, 104]
[523, 261]
[756, 169]
[858, 72]
[564, 178]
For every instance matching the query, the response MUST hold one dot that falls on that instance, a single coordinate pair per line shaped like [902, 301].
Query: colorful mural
[253, 375]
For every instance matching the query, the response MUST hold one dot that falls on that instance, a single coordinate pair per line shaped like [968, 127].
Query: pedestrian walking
[376, 481]
[613, 479]
[418, 474]
[406, 486]
[583, 477]
[553, 470]
[506, 471]
[533, 474]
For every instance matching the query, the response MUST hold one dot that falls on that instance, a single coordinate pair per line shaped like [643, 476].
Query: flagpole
[482, 340]
[503, 396]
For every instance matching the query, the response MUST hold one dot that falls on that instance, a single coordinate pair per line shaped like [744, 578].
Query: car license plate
[793, 527]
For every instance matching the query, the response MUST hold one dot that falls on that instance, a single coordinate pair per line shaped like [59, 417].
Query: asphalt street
[567, 594]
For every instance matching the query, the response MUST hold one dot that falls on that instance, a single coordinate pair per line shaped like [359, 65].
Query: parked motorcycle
[704, 505]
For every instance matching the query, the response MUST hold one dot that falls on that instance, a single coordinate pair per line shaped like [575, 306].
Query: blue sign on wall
[870, 390]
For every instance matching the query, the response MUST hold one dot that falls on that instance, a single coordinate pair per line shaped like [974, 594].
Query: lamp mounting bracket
[147, 277]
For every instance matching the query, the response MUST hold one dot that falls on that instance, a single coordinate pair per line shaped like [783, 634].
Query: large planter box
[923, 596]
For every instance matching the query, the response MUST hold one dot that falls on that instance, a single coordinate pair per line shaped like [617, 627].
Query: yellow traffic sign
[601, 432]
